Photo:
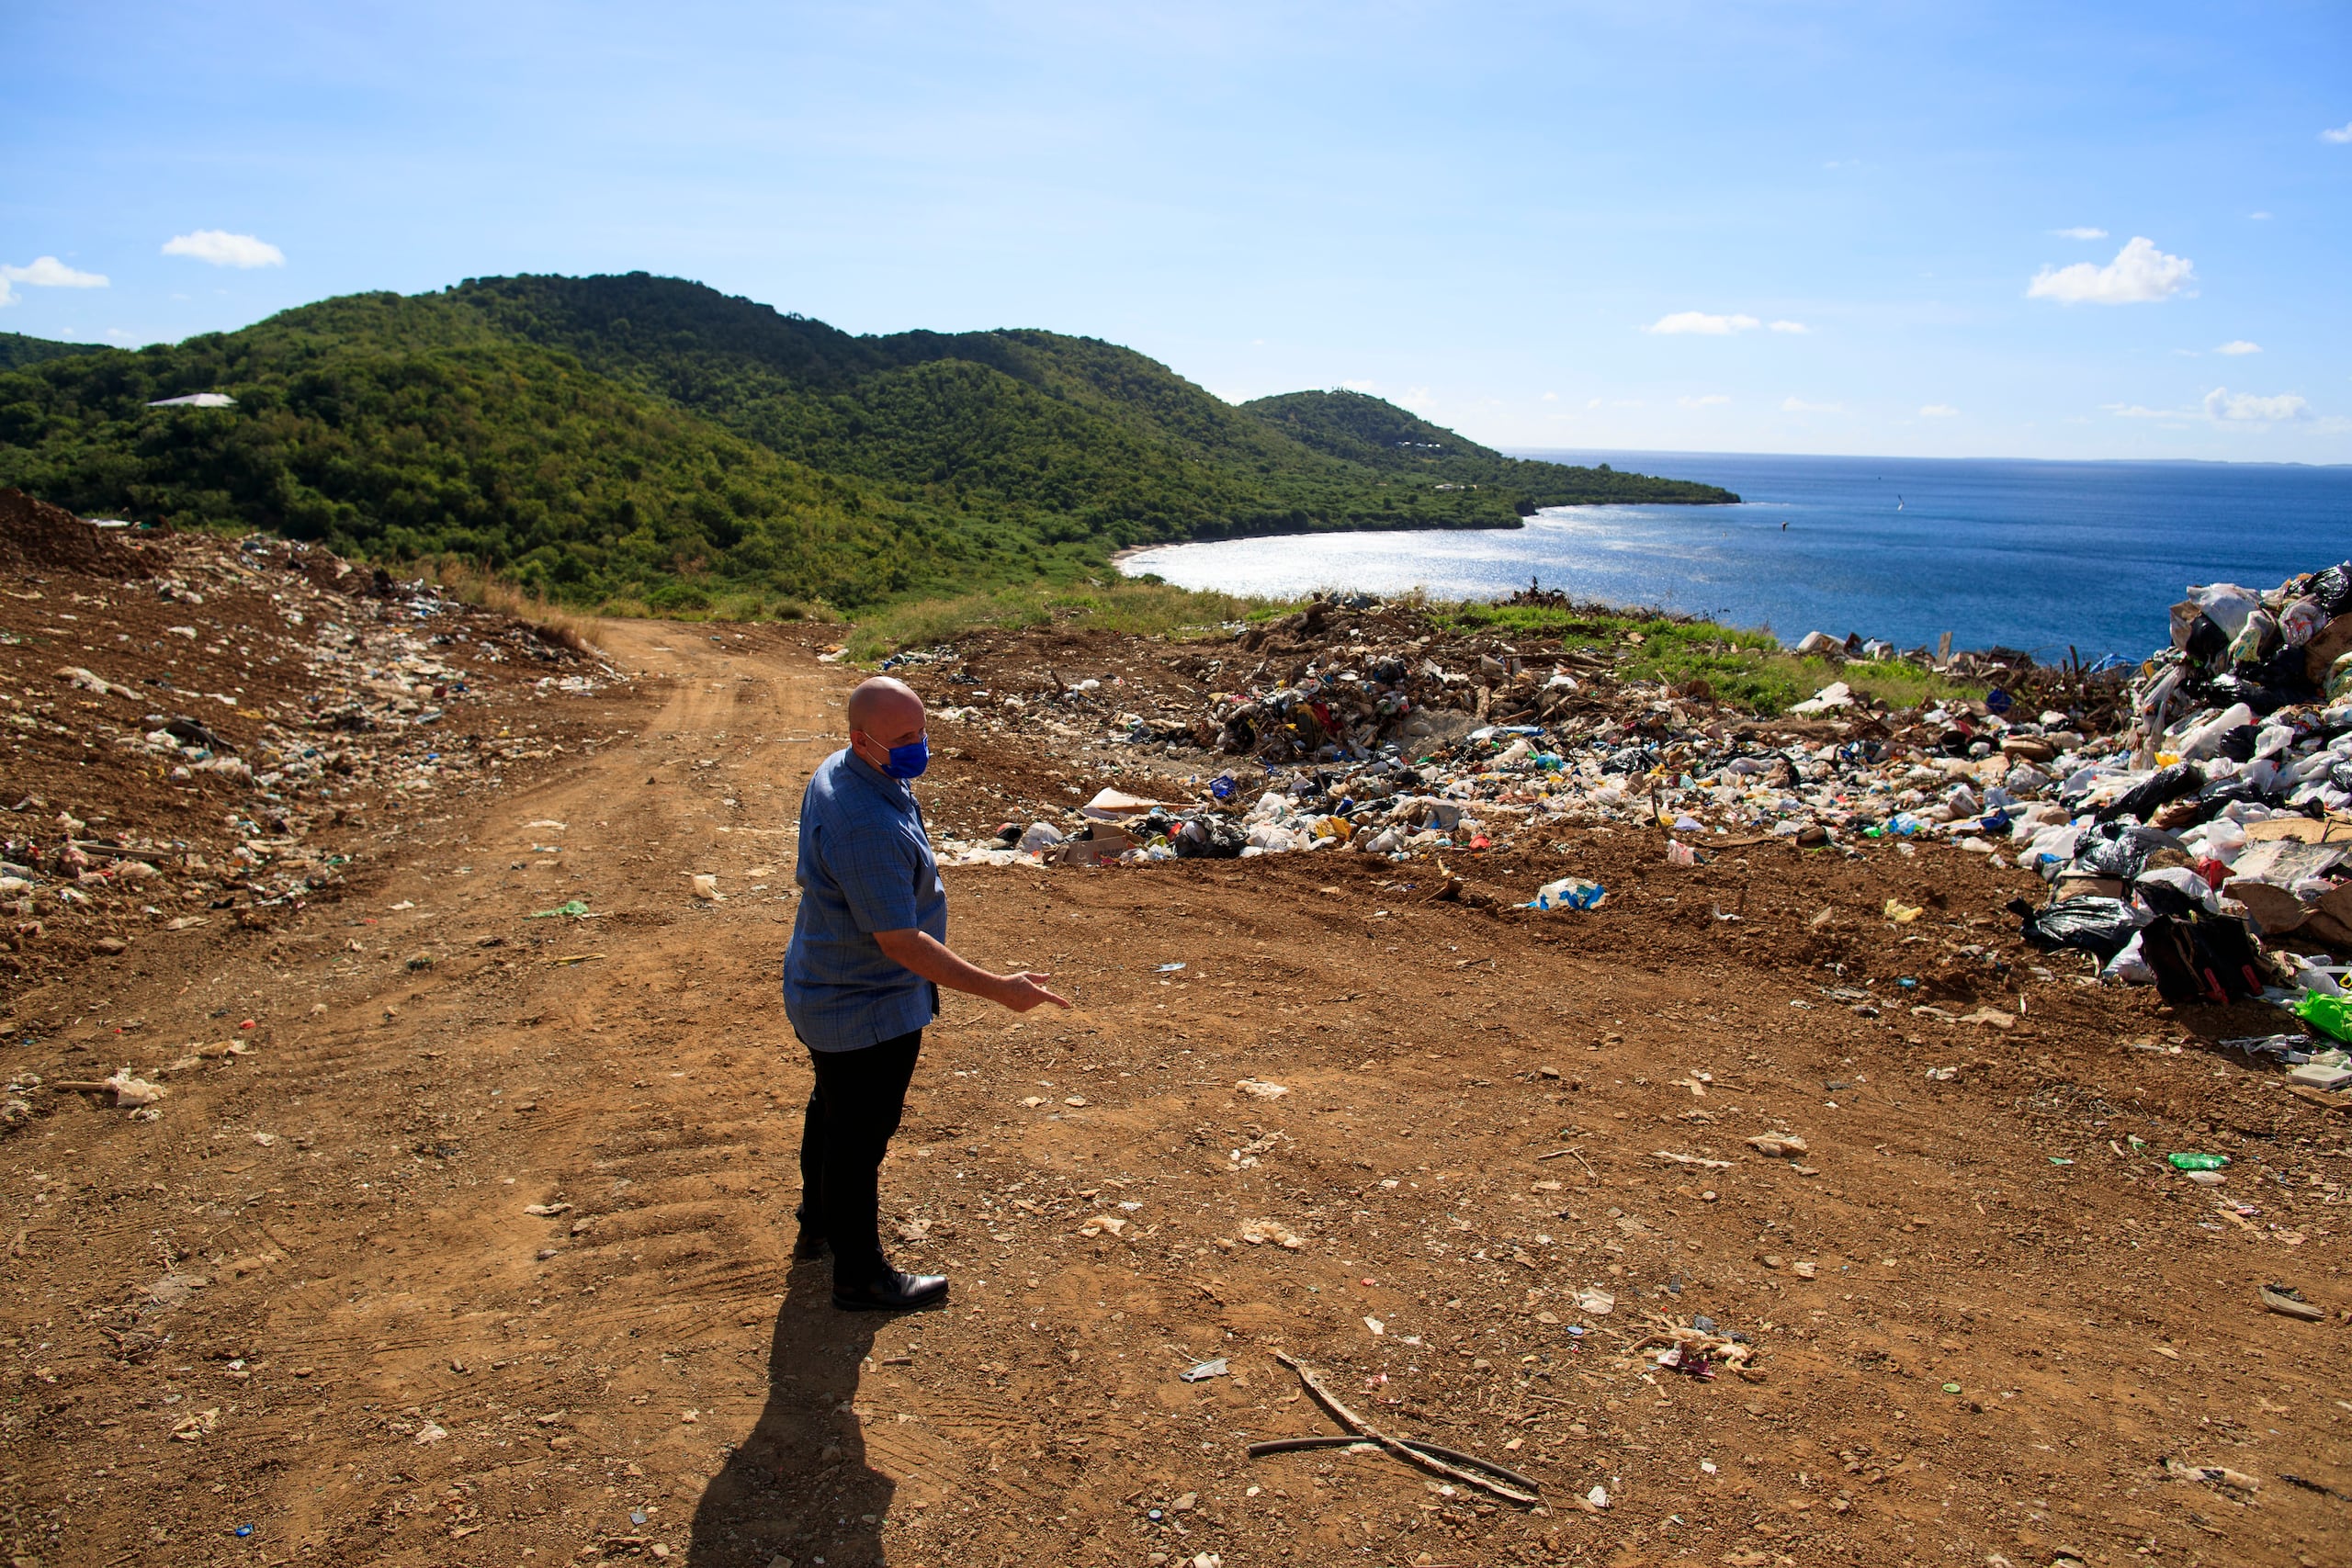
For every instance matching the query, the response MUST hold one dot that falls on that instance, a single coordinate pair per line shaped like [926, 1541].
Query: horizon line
[1547, 453]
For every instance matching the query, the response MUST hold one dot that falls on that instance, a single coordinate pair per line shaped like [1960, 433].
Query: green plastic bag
[2186, 1160]
[2332, 1016]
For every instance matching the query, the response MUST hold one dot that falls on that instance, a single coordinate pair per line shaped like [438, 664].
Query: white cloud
[2080, 232]
[1702, 324]
[2260, 217]
[1708, 401]
[1551, 397]
[1798, 405]
[1360, 386]
[2339, 136]
[2221, 403]
[1797, 327]
[2239, 346]
[220, 248]
[2133, 411]
[7, 295]
[48, 272]
[2140, 274]
[1938, 411]
[1415, 397]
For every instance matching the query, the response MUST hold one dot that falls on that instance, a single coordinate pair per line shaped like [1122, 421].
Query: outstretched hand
[1021, 991]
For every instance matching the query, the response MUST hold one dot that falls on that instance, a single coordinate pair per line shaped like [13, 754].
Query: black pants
[852, 1111]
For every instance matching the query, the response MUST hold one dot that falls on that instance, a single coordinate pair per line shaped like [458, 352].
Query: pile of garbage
[186, 727]
[2227, 821]
[1369, 728]
[2170, 843]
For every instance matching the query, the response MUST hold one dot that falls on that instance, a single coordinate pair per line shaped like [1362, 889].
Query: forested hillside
[1367, 430]
[641, 439]
[16, 349]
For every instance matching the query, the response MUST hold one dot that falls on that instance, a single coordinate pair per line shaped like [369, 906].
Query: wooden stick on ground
[1356, 1424]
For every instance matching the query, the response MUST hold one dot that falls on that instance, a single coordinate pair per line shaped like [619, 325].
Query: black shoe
[809, 1246]
[894, 1293]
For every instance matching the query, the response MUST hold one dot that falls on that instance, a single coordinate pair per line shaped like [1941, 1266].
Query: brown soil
[309, 1298]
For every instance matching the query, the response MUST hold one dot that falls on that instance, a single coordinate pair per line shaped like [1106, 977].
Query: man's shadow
[799, 1487]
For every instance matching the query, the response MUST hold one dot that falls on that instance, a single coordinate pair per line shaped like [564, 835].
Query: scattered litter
[1596, 1301]
[1257, 1232]
[129, 1091]
[1205, 1371]
[1777, 1146]
[1569, 893]
[1259, 1091]
[570, 909]
[1688, 1349]
[2288, 1301]
[2211, 1475]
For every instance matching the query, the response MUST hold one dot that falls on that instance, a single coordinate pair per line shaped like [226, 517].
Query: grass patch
[469, 585]
[1746, 669]
[1134, 606]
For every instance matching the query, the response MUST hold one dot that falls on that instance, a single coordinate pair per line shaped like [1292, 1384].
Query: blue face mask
[908, 762]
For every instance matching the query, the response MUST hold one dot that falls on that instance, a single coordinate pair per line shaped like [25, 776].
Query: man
[861, 979]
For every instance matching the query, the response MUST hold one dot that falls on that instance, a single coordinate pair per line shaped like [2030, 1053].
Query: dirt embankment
[479, 1246]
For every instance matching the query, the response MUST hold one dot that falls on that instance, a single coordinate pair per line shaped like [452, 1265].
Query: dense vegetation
[1369, 430]
[645, 440]
[16, 349]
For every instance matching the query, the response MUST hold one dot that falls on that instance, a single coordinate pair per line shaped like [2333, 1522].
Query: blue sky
[1806, 227]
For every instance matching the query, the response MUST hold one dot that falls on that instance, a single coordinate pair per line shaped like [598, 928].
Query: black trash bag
[2340, 775]
[2165, 899]
[1631, 760]
[189, 732]
[1206, 837]
[2208, 644]
[2217, 798]
[2159, 790]
[2100, 926]
[2116, 849]
[2286, 672]
[2332, 589]
[2237, 744]
[2201, 958]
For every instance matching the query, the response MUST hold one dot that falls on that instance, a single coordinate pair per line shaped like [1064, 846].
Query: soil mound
[36, 537]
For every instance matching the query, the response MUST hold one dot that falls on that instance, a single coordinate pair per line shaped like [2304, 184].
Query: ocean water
[2037, 555]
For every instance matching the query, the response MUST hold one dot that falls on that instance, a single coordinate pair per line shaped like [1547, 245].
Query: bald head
[887, 710]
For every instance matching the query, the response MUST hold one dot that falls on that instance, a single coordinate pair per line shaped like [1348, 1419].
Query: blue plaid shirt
[866, 866]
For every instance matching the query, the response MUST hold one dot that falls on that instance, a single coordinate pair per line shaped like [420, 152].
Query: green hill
[16, 349]
[1378, 435]
[645, 439]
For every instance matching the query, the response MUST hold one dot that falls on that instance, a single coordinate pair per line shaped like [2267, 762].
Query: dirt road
[478, 1252]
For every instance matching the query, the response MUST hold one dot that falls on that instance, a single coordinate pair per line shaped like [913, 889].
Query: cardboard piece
[1088, 851]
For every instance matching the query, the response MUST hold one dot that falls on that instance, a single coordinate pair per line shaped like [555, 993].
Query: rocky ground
[462, 1231]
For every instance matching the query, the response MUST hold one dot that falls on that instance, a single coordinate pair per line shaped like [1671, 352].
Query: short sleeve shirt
[866, 866]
